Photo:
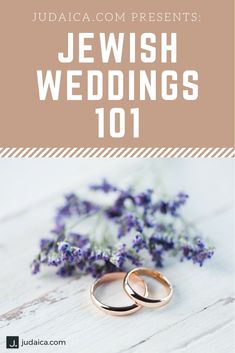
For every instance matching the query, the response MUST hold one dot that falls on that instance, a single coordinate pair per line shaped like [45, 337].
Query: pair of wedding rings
[138, 299]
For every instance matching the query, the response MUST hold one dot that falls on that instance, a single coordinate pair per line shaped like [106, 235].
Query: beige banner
[34, 32]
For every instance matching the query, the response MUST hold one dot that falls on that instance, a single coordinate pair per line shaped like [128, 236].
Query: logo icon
[12, 342]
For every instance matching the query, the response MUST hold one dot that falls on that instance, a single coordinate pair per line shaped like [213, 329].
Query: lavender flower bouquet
[134, 228]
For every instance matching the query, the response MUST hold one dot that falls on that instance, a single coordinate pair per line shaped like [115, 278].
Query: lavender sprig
[143, 228]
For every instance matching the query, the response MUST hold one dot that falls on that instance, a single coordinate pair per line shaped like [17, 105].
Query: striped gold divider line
[117, 152]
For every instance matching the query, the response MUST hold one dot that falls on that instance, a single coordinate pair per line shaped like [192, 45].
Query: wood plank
[200, 316]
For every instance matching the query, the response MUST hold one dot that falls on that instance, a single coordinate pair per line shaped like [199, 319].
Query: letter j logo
[12, 342]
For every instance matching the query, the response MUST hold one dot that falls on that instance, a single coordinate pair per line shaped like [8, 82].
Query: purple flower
[113, 212]
[148, 219]
[134, 259]
[144, 198]
[78, 239]
[105, 186]
[66, 270]
[101, 255]
[119, 208]
[46, 244]
[54, 261]
[77, 253]
[87, 207]
[139, 243]
[66, 251]
[120, 257]
[158, 246]
[123, 255]
[133, 215]
[163, 207]
[157, 257]
[63, 246]
[122, 198]
[35, 267]
[176, 204]
[58, 229]
[128, 222]
[73, 206]
[196, 252]
[171, 207]
[165, 242]
[182, 197]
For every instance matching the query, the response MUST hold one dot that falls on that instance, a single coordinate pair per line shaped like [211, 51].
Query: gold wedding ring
[146, 300]
[113, 310]
[138, 299]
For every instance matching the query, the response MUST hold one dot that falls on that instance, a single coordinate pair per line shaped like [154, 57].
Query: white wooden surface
[200, 316]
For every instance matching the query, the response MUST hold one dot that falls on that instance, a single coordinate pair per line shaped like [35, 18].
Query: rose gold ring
[113, 310]
[146, 300]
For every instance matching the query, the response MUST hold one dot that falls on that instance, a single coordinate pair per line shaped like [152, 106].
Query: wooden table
[200, 316]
